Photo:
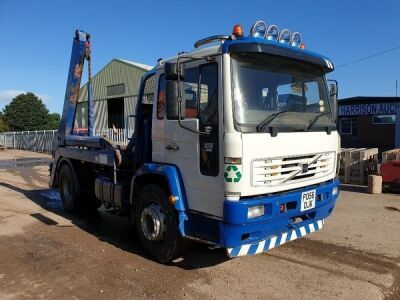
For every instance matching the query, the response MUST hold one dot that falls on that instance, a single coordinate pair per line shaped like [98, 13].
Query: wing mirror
[333, 95]
[175, 94]
[174, 89]
[333, 89]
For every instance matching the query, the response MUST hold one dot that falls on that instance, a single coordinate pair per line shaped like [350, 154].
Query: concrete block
[374, 184]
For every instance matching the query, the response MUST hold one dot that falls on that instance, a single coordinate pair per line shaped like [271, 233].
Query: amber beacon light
[237, 31]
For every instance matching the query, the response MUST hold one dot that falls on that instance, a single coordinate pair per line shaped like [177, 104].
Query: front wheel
[156, 223]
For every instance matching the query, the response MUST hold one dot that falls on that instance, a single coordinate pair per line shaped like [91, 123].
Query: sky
[36, 37]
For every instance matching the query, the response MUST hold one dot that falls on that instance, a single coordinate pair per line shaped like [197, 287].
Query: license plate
[307, 200]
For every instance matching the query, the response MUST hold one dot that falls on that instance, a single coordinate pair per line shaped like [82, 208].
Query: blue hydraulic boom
[80, 52]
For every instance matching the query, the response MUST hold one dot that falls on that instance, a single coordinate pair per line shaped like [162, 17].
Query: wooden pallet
[356, 163]
[344, 170]
[389, 155]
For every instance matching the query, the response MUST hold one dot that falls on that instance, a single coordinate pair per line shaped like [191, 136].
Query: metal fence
[42, 140]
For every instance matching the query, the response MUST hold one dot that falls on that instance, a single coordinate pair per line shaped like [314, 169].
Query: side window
[383, 119]
[191, 92]
[161, 97]
[208, 118]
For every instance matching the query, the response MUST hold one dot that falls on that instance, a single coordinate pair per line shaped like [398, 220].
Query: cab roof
[259, 45]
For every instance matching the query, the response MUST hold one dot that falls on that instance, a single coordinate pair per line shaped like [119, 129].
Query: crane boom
[80, 52]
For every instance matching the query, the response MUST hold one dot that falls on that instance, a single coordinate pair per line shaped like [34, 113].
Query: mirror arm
[179, 100]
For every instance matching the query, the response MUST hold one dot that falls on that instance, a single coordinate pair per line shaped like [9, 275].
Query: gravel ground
[46, 253]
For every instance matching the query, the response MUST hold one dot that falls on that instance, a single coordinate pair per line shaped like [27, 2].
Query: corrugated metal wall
[116, 72]
[129, 105]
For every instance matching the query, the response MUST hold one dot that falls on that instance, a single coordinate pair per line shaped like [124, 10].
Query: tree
[26, 112]
[3, 123]
[53, 121]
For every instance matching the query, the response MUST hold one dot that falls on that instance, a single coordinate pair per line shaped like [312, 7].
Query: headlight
[273, 33]
[295, 39]
[232, 196]
[335, 191]
[284, 37]
[259, 29]
[255, 211]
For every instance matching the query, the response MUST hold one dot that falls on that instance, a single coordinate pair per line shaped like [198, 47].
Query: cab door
[198, 156]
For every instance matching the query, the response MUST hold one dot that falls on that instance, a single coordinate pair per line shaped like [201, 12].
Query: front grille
[285, 170]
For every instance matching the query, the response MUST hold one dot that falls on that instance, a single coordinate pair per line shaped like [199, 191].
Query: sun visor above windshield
[274, 48]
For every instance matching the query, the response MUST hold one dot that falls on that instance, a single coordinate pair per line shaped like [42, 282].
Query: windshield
[266, 85]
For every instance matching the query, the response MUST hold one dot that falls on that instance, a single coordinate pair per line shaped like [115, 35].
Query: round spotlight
[295, 40]
[284, 37]
[273, 33]
[259, 29]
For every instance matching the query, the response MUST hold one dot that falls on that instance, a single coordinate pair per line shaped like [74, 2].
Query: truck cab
[235, 145]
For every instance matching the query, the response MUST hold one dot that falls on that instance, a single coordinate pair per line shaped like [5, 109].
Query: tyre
[67, 189]
[156, 224]
[72, 201]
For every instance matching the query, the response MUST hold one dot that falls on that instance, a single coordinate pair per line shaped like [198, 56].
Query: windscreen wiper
[269, 119]
[312, 123]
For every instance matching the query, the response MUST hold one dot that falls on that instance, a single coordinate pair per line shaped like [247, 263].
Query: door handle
[172, 147]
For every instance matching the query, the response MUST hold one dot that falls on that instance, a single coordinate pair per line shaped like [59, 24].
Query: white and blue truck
[235, 145]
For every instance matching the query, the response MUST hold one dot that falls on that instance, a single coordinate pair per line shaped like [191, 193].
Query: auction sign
[367, 109]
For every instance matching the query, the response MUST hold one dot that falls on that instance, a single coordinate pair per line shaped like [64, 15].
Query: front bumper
[275, 241]
[243, 236]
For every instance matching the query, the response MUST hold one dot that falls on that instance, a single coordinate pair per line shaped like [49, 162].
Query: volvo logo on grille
[304, 168]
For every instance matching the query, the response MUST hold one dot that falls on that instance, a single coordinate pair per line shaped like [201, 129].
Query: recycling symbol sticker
[232, 174]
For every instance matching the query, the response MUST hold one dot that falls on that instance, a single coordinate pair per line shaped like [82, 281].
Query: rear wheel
[71, 200]
[67, 189]
[156, 223]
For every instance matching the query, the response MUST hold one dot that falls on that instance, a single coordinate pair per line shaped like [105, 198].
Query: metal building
[115, 90]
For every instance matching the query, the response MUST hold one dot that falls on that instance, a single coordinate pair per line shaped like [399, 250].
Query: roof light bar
[260, 30]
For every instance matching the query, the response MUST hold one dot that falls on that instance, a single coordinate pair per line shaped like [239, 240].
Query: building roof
[135, 64]
[367, 100]
[117, 71]
[130, 63]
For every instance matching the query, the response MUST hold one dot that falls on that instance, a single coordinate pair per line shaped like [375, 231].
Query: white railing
[117, 136]
[42, 140]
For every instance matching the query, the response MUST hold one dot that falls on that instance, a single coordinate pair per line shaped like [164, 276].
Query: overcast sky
[36, 37]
